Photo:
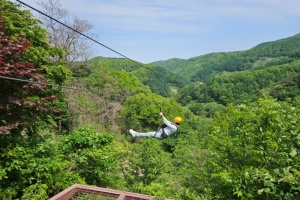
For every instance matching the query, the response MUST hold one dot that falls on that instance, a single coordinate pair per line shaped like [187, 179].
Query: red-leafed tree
[21, 103]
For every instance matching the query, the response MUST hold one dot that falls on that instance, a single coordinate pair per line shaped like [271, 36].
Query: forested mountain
[228, 77]
[157, 78]
[256, 65]
[271, 68]
[198, 68]
[62, 124]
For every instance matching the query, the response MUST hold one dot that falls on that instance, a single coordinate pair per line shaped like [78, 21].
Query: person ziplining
[164, 131]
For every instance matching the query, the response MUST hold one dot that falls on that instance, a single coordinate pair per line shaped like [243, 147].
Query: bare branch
[77, 47]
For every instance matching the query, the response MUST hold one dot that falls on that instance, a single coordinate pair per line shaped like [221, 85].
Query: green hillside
[203, 67]
[283, 47]
[159, 76]
[270, 68]
[158, 79]
[209, 70]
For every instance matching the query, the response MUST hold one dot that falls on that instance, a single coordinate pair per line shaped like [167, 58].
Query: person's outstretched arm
[172, 126]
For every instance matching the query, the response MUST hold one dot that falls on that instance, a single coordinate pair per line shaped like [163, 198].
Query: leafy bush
[254, 151]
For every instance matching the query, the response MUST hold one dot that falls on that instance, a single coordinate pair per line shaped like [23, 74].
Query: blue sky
[153, 30]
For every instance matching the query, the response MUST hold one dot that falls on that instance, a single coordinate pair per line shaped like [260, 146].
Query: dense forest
[65, 121]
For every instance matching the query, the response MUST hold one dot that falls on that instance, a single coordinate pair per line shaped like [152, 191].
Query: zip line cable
[47, 84]
[78, 32]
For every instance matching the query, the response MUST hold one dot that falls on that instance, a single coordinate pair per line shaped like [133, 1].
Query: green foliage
[282, 47]
[33, 106]
[159, 190]
[33, 167]
[157, 78]
[205, 66]
[288, 88]
[237, 77]
[93, 155]
[142, 112]
[85, 138]
[20, 21]
[41, 167]
[144, 164]
[189, 157]
[57, 73]
[254, 151]
[102, 109]
[113, 81]
[269, 62]
[118, 64]
[245, 86]
[248, 150]
[205, 109]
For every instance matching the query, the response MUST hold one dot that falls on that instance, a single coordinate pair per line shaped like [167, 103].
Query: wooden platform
[77, 189]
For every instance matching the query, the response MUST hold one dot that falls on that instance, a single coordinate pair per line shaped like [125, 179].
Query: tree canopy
[239, 138]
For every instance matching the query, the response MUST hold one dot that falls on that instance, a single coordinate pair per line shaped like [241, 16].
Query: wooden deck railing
[77, 189]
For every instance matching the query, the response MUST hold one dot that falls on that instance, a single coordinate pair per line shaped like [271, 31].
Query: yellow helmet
[178, 120]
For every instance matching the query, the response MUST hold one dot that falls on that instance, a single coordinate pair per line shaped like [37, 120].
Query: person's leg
[148, 134]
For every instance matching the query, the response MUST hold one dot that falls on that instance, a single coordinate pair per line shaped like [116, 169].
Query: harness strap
[163, 134]
[157, 130]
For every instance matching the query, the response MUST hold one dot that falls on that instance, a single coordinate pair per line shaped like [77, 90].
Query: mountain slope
[271, 68]
[157, 78]
[202, 67]
[225, 76]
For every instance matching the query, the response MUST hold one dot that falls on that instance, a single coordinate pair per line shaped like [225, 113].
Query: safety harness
[163, 134]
